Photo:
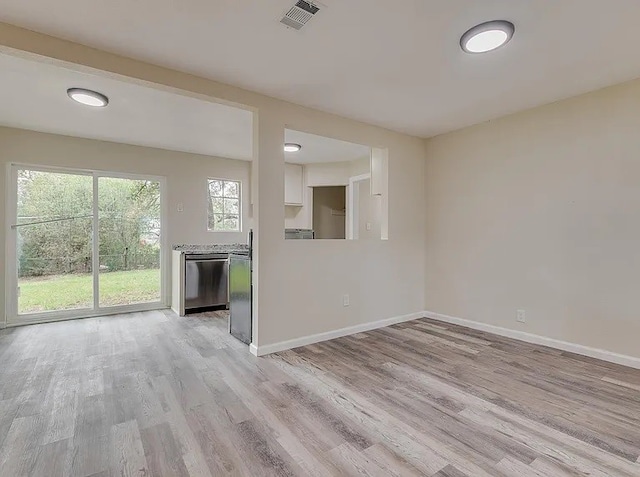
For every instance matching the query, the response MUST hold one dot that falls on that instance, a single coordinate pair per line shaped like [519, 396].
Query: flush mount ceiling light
[487, 36]
[292, 147]
[88, 97]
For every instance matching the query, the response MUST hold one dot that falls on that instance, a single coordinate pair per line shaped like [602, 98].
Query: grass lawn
[67, 292]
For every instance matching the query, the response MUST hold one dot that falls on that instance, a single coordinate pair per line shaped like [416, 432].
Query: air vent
[300, 14]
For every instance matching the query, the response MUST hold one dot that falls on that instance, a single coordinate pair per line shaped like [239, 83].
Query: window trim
[240, 204]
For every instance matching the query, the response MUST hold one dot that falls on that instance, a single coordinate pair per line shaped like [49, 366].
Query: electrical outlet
[521, 317]
[345, 300]
[368, 225]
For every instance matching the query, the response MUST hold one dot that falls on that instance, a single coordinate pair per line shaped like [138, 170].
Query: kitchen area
[215, 277]
[332, 190]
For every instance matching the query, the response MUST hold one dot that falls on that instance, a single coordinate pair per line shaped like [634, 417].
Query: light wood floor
[154, 394]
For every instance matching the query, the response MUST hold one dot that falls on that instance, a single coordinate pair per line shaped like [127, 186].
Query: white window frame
[11, 268]
[240, 205]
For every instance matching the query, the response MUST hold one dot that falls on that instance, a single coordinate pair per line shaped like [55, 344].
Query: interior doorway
[329, 212]
[84, 243]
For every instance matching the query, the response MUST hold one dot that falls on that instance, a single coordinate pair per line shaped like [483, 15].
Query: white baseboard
[329, 335]
[604, 355]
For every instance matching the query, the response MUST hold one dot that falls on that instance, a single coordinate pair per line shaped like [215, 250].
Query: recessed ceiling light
[88, 97]
[487, 36]
[292, 147]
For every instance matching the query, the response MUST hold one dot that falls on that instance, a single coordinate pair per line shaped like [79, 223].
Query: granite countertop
[213, 248]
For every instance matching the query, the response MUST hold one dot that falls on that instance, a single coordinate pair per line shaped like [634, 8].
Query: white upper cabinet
[293, 184]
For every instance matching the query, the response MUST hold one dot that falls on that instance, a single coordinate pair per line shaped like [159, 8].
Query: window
[224, 206]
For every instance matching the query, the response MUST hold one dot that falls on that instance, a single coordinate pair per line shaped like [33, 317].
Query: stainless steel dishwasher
[206, 281]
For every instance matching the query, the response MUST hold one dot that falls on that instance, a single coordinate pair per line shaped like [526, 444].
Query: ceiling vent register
[300, 14]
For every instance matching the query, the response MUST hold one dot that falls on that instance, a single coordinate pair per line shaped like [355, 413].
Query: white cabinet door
[293, 184]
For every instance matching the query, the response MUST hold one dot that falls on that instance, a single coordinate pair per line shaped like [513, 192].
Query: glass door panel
[129, 241]
[54, 241]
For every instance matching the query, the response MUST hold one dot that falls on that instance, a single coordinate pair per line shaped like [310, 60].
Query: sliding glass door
[129, 232]
[54, 253]
[83, 244]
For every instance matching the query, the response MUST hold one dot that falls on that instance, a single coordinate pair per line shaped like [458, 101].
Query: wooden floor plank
[127, 453]
[157, 394]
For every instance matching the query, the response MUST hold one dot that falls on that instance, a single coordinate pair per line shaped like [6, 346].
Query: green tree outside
[54, 240]
[55, 213]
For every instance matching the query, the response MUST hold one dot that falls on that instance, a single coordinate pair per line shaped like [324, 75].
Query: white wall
[369, 212]
[298, 283]
[186, 178]
[335, 173]
[541, 211]
[297, 217]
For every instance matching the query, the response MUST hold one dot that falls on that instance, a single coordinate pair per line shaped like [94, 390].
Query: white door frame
[353, 197]
[11, 268]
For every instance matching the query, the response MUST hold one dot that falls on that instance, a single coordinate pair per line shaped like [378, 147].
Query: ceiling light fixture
[292, 147]
[487, 36]
[88, 97]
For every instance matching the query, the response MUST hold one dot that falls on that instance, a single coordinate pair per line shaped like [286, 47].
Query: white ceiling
[392, 63]
[319, 149]
[34, 96]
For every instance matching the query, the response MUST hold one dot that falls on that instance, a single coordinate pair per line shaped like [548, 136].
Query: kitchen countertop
[212, 248]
